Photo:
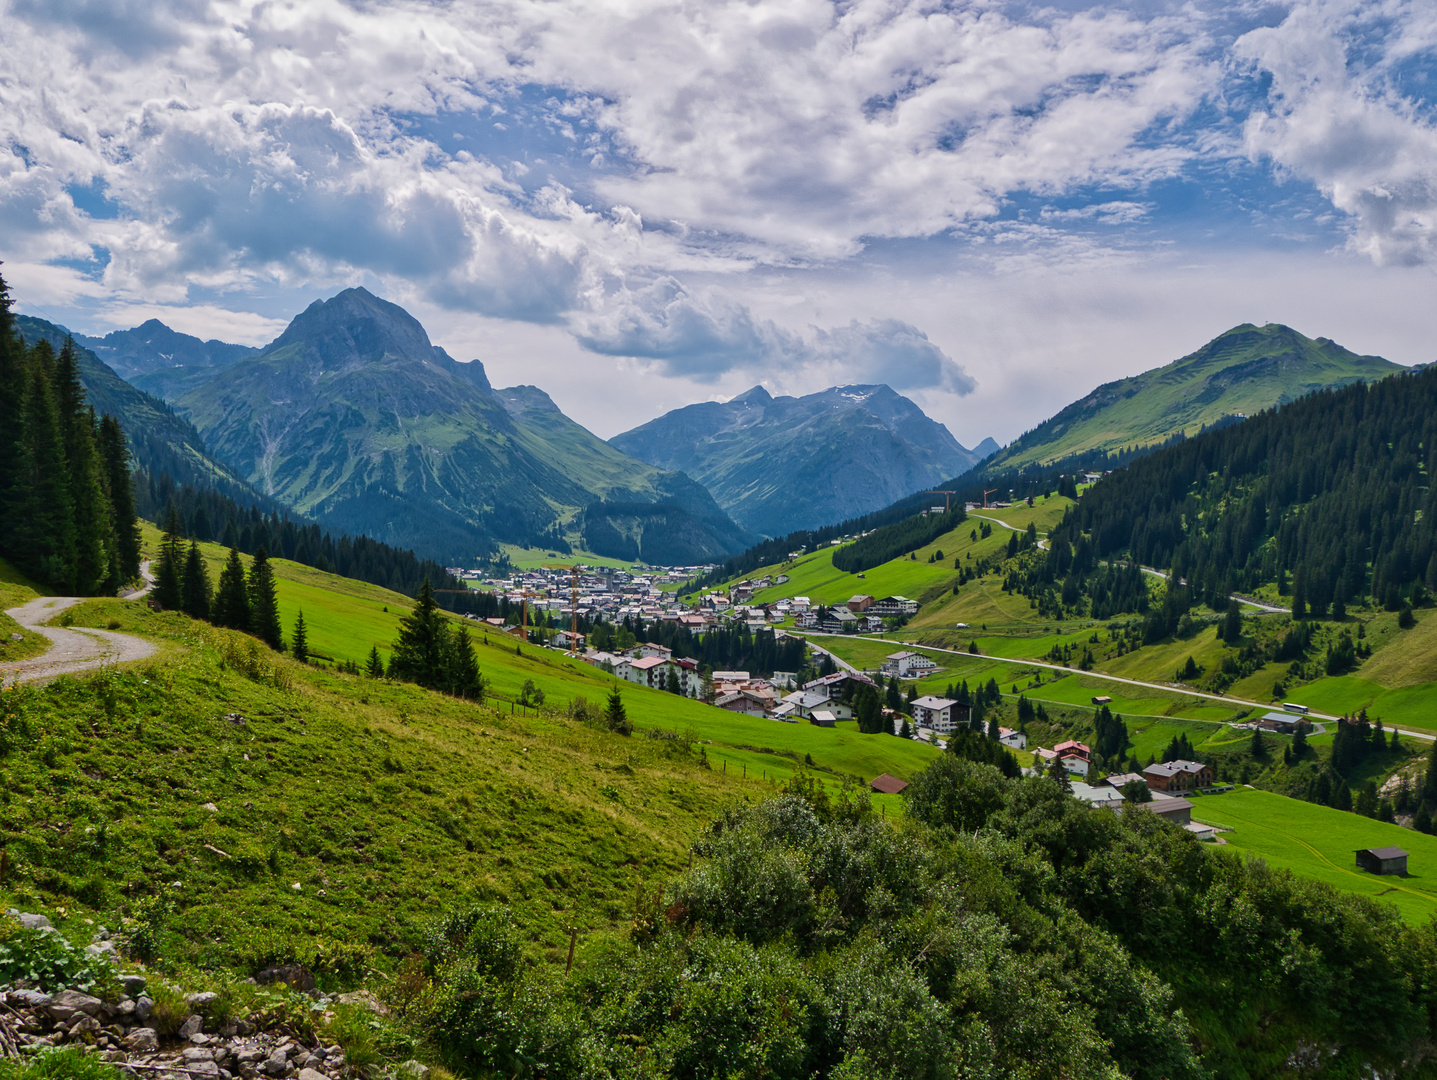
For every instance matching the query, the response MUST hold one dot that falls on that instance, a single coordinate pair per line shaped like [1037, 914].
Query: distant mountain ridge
[1241, 372]
[787, 463]
[354, 416]
[159, 360]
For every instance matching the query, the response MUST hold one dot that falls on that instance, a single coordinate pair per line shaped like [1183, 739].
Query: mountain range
[1239, 373]
[161, 361]
[787, 463]
[354, 417]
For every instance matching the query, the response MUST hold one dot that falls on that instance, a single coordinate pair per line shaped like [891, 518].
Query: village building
[940, 714]
[860, 603]
[838, 621]
[744, 702]
[1178, 776]
[1074, 763]
[895, 605]
[1383, 860]
[1012, 738]
[887, 785]
[823, 718]
[907, 664]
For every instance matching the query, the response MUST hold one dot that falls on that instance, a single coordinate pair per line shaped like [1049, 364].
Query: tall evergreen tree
[1232, 623]
[44, 536]
[420, 648]
[463, 676]
[375, 668]
[93, 529]
[169, 567]
[195, 584]
[299, 649]
[12, 401]
[120, 485]
[615, 716]
[264, 603]
[231, 606]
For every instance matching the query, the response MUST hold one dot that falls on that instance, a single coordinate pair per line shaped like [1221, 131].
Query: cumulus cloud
[1334, 117]
[704, 336]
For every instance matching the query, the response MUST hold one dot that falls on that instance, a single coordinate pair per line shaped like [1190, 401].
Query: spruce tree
[195, 584]
[89, 504]
[615, 716]
[463, 677]
[12, 399]
[44, 541]
[375, 668]
[300, 647]
[169, 568]
[263, 603]
[1232, 623]
[420, 648]
[231, 606]
[115, 460]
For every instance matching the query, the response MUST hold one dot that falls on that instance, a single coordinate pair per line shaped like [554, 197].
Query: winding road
[72, 649]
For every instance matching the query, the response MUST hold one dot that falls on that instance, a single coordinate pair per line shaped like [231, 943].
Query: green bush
[44, 959]
[61, 1063]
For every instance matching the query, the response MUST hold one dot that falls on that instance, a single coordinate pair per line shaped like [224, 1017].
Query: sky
[992, 206]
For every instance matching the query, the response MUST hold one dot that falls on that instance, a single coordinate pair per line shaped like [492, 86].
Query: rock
[336, 1063]
[143, 1040]
[203, 1068]
[364, 999]
[311, 1074]
[312, 1061]
[190, 1026]
[30, 999]
[134, 985]
[211, 807]
[115, 1055]
[34, 922]
[85, 1026]
[124, 1007]
[275, 1064]
[101, 948]
[144, 1008]
[412, 1070]
[64, 1005]
[295, 976]
[197, 1053]
[17, 636]
[201, 1003]
[199, 1038]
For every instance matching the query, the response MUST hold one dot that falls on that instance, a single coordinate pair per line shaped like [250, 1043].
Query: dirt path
[71, 650]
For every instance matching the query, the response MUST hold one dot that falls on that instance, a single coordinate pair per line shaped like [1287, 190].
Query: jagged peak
[755, 396]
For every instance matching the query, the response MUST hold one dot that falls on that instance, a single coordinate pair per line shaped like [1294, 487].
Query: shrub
[44, 959]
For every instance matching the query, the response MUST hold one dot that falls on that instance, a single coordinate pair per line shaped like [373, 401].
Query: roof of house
[900, 655]
[730, 676]
[1117, 780]
[858, 597]
[647, 662]
[802, 699]
[1385, 852]
[1168, 806]
[1072, 744]
[842, 615]
[928, 701]
[1281, 717]
[887, 785]
[1172, 768]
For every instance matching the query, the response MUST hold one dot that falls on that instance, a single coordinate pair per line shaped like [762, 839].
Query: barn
[1382, 860]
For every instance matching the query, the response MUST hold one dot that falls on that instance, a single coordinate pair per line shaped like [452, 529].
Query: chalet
[805, 702]
[860, 603]
[650, 649]
[808, 620]
[887, 785]
[1073, 748]
[907, 664]
[1074, 763]
[835, 685]
[870, 624]
[943, 715]
[822, 718]
[1122, 780]
[652, 671]
[1178, 776]
[838, 621]
[895, 605]
[1102, 700]
[744, 702]
[730, 676]
[1178, 811]
[565, 639]
[1012, 738]
[1383, 860]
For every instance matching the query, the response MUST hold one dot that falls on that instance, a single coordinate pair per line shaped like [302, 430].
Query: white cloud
[1334, 118]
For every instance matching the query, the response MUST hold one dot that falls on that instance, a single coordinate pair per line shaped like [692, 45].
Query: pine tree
[300, 647]
[993, 732]
[263, 603]
[12, 403]
[1299, 594]
[615, 716]
[1232, 624]
[44, 541]
[93, 529]
[231, 606]
[115, 460]
[375, 667]
[420, 648]
[169, 568]
[195, 584]
[463, 677]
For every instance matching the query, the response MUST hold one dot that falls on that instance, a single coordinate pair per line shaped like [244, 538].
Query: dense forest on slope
[67, 504]
[892, 541]
[1005, 930]
[1329, 495]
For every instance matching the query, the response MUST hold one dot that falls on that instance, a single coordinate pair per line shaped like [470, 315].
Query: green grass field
[16, 589]
[1319, 842]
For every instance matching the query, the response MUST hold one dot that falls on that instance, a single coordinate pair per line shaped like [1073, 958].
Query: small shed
[887, 785]
[1382, 860]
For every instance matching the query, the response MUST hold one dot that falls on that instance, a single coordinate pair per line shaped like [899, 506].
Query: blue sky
[990, 206]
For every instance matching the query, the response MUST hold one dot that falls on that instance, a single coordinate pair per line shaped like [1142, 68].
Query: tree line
[67, 504]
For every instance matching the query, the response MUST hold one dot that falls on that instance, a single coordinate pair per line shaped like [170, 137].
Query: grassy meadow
[16, 589]
[1319, 842]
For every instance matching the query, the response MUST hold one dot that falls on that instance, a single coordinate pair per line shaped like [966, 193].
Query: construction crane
[573, 603]
[947, 500]
[990, 491]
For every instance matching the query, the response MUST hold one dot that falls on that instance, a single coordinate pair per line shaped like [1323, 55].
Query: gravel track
[71, 649]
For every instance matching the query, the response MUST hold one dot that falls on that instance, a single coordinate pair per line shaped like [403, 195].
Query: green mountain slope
[1241, 372]
[352, 415]
[160, 441]
[781, 464]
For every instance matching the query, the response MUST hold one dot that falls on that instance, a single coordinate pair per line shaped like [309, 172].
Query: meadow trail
[71, 650]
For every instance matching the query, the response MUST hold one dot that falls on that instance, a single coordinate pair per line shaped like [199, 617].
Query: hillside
[783, 464]
[160, 441]
[1241, 372]
[353, 416]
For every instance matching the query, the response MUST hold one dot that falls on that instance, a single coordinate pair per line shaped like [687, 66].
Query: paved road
[71, 650]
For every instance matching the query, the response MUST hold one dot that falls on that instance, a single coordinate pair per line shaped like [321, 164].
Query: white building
[940, 714]
[907, 664]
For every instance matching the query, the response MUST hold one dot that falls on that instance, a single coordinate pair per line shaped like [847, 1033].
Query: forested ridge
[1328, 497]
